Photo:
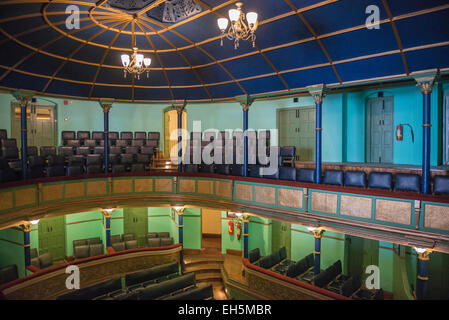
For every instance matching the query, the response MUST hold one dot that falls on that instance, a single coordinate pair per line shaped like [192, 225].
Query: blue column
[426, 143]
[108, 230]
[27, 244]
[245, 238]
[106, 141]
[181, 239]
[23, 128]
[318, 234]
[179, 140]
[422, 279]
[318, 141]
[245, 141]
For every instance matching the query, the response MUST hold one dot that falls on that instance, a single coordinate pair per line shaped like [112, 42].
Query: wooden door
[380, 131]
[52, 237]
[136, 222]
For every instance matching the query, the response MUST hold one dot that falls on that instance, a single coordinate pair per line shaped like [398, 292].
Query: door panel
[52, 237]
[136, 222]
[380, 130]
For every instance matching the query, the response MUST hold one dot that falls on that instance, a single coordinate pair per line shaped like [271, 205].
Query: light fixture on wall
[239, 30]
[136, 64]
[33, 222]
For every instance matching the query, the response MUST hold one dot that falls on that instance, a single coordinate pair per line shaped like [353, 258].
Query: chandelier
[239, 30]
[136, 64]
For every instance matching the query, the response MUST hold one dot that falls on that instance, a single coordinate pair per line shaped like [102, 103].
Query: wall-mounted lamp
[33, 222]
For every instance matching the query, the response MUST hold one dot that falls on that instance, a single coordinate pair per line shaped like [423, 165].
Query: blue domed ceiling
[299, 43]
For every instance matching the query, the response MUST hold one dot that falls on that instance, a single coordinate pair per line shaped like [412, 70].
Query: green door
[52, 237]
[380, 130]
[136, 222]
[362, 253]
[281, 236]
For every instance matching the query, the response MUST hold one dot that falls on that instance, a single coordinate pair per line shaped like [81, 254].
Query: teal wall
[386, 265]
[259, 235]
[83, 225]
[117, 222]
[343, 119]
[229, 241]
[192, 228]
[12, 250]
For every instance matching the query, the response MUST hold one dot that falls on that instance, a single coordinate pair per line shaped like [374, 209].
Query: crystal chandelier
[136, 64]
[239, 29]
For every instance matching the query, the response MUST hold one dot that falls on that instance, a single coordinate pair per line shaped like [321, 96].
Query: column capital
[318, 92]
[426, 80]
[179, 210]
[245, 102]
[318, 233]
[423, 255]
[106, 104]
[26, 227]
[245, 218]
[180, 108]
[23, 97]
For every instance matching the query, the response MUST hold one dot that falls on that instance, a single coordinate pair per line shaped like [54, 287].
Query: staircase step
[208, 277]
[204, 267]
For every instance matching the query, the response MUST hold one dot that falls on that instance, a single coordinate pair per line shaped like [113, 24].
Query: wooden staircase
[162, 164]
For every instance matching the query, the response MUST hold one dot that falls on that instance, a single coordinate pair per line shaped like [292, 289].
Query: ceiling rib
[159, 59]
[396, 34]
[312, 31]
[185, 60]
[103, 58]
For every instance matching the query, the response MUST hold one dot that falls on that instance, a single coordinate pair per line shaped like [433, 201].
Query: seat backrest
[98, 150]
[137, 143]
[151, 273]
[191, 168]
[305, 175]
[83, 135]
[47, 151]
[163, 288]
[350, 286]
[56, 171]
[289, 151]
[10, 153]
[199, 293]
[287, 173]
[333, 177]
[282, 253]
[132, 150]
[97, 135]
[151, 143]
[45, 260]
[147, 150]
[74, 170]
[33, 253]
[441, 184]
[237, 170]
[380, 180]
[90, 143]
[55, 160]
[154, 136]
[407, 182]
[121, 143]
[140, 135]
[32, 151]
[96, 250]
[3, 134]
[355, 179]
[128, 236]
[143, 158]
[166, 242]
[118, 168]
[93, 159]
[163, 234]
[95, 240]
[254, 255]
[254, 171]
[81, 252]
[73, 143]
[65, 151]
[223, 169]
[127, 158]
[83, 151]
[152, 235]
[131, 244]
[274, 175]
[126, 135]
[115, 150]
[8, 273]
[113, 135]
[94, 291]
[116, 238]
[154, 242]
[68, 135]
[137, 167]
[118, 246]
[81, 242]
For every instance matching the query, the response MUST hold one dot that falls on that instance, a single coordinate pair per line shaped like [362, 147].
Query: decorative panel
[359, 207]
[52, 192]
[143, 185]
[324, 202]
[244, 192]
[436, 217]
[74, 190]
[265, 194]
[290, 198]
[205, 186]
[393, 211]
[122, 186]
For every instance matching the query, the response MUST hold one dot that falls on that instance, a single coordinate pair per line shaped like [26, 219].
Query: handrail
[42, 272]
[344, 189]
[293, 281]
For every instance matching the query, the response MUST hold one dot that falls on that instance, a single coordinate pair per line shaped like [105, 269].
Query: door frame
[54, 108]
[368, 128]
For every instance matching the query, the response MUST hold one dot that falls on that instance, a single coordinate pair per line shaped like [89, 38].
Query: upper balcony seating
[47, 151]
[98, 136]
[355, 179]
[32, 152]
[8, 273]
[67, 135]
[83, 136]
[113, 136]
[6, 173]
[380, 180]
[85, 248]
[140, 135]
[407, 182]
[3, 134]
[287, 173]
[43, 261]
[333, 177]
[287, 154]
[73, 143]
[126, 135]
[191, 168]
[441, 185]
[273, 259]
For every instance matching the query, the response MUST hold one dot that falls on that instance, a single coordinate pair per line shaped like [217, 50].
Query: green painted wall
[260, 234]
[82, 226]
[386, 265]
[11, 249]
[229, 241]
[117, 222]
[192, 228]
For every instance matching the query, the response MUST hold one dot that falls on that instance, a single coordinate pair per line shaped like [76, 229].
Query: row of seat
[375, 180]
[42, 261]
[112, 136]
[85, 248]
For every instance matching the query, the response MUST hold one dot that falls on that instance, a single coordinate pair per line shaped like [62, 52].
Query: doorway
[211, 230]
[135, 221]
[41, 124]
[379, 130]
[281, 236]
[297, 128]
[52, 237]
[170, 126]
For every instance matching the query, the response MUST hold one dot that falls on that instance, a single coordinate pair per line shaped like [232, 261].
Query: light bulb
[139, 60]
[34, 221]
[420, 250]
[223, 23]
[147, 62]
[311, 229]
[109, 210]
[238, 214]
[125, 60]
[178, 208]
[251, 17]
[234, 15]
